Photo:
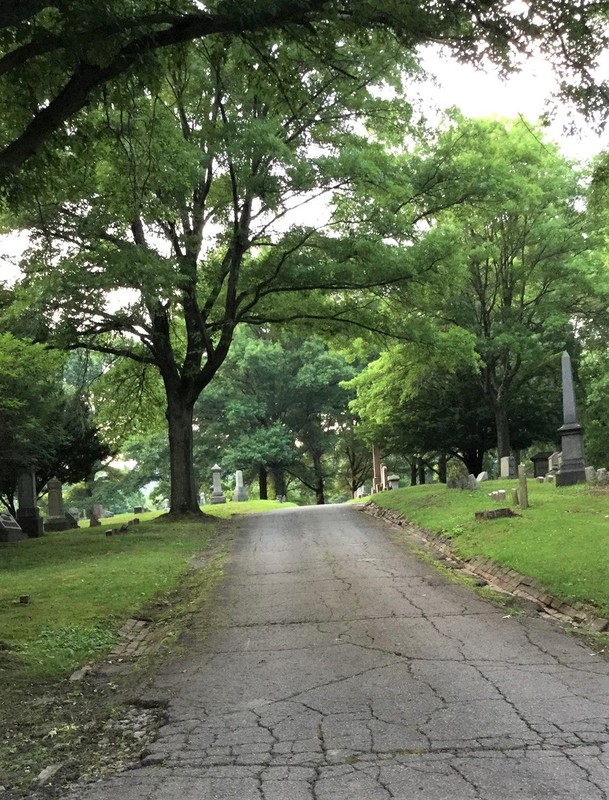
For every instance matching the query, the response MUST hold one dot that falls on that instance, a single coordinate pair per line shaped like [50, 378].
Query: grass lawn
[562, 539]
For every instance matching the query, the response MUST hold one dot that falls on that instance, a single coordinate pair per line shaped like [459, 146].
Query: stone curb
[497, 575]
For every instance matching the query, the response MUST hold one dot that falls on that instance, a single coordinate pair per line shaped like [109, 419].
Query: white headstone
[240, 494]
[508, 467]
[217, 493]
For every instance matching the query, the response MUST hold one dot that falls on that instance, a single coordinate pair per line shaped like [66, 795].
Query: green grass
[225, 510]
[562, 540]
[84, 584]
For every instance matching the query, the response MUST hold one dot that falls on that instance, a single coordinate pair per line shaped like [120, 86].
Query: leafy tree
[276, 407]
[43, 426]
[186, 202]
[113, 488]
[57, 58]
[522, 269]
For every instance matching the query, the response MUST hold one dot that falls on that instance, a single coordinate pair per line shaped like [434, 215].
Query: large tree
[58, 58]
[522, 272]
[182, 216]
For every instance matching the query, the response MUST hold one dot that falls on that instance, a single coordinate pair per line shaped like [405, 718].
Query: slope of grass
[562, 540]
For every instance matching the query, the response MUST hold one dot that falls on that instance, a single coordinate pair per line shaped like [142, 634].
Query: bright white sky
[478, 93]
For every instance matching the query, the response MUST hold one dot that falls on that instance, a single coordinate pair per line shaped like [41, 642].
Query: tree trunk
[413, 471]
[262, 482]
[421, 470]
[184, 495]
[503, 431]
[473, 460]
[442, 467]
[319, 480]
[279, 481]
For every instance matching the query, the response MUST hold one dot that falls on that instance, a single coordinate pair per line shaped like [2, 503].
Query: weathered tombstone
[590, 475]
[524, 489]
[10, 530]
[500, 495]
[572, 467]
[602, 476]
[515, 498]
[240, 493]
[28, 515]
[217, 493]
[138, 509]
[549, 478]
[554, 463]
[384, 483]
[472, 483]
[56, 521]
[376, 470]
[508, 467]
[393, 481]
[541, 479]
[71, 520]
[93, 519]
[483, 476]
[540, 464]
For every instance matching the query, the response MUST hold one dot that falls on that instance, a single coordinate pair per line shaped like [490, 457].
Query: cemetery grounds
[84, 585]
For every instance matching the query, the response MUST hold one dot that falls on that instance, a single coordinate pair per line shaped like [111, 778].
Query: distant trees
[43, 426]
[276, 410]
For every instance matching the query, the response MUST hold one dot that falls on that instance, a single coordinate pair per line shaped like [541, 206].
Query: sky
[478, 93]
[481, 93]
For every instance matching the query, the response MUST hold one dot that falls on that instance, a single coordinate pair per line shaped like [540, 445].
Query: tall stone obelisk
[572, 468]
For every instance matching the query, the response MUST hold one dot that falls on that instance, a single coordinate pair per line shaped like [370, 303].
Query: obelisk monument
[572, 468]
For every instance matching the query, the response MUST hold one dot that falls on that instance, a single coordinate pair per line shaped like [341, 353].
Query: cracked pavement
[341, 668]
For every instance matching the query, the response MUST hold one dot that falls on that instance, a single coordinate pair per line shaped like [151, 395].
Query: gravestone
[384, 483]
[240, 494]
[483, 476]
[508, 467]
[28, 515]
[602, 476]
[472, 483]
[540, 464]
[98, 510]
[93, 519]
[56, 521]
[10, 530]
[554, 463]
[590, 475]
[523, 494]
[393, 481]
[71, 520]
[572, 466]
[376, 470]
[217, 493]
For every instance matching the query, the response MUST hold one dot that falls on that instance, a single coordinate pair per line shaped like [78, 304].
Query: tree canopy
[58, 59]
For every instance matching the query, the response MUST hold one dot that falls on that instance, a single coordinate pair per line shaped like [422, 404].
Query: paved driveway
[344, 669]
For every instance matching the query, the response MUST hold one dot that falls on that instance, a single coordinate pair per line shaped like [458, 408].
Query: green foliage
[517, 273]
[43, 425]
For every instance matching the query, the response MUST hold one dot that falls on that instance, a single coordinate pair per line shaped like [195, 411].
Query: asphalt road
[344, 669]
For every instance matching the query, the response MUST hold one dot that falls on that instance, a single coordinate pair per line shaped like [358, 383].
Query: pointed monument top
[568, 393]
